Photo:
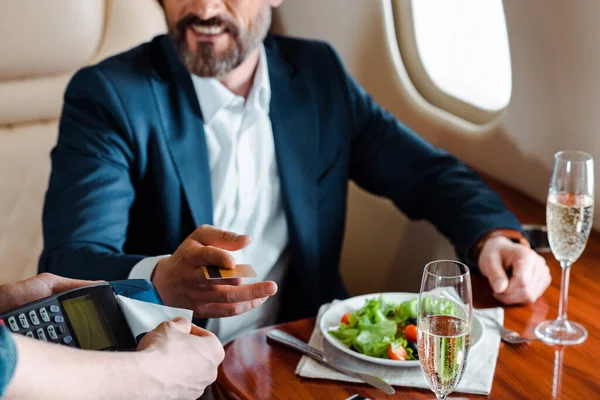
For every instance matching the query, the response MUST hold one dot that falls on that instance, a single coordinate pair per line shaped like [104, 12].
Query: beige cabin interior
[553, 107]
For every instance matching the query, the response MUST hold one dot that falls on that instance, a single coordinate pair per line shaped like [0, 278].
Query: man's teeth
[208, 30]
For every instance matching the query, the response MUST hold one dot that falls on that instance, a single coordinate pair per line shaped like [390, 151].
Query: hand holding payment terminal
[87, 318]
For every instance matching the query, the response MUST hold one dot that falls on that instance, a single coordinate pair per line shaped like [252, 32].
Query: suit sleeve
[424, 182]
[91, 190]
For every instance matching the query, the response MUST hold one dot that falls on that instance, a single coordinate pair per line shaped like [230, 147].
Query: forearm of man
[49, 371]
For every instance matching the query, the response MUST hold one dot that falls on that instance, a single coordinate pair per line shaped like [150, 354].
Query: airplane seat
[42, 44]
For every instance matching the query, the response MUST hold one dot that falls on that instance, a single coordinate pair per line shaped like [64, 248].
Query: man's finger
[526, 291]
[527, 271]
[198, 256]
[223, 310]
[516, 296]
[542, 277]
[524, 267]
[228, 281]
[197, 331]
[181, 324]
[58, 284]
[521, 295]
[523, 271]
[491, 267]
[233, 294]
[211, 236]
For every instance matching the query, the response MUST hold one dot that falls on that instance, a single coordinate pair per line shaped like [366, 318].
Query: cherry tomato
[411, 333]
[399, 354]
[346, 319]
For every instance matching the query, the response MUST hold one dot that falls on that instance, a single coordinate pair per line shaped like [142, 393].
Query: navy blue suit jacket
[130, 175]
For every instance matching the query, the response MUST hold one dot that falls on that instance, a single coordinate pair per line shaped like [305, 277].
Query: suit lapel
[182, 121]
[295, 133]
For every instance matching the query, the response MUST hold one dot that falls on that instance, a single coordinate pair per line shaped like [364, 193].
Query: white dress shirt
[245, 184]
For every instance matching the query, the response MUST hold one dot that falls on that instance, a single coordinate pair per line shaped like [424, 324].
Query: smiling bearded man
[213, 48]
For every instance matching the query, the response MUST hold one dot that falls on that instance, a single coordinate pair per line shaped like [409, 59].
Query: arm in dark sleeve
[424, 182]
[86, 211]
[8, 359]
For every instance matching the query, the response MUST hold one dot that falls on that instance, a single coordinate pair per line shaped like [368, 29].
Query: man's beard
[205, 63]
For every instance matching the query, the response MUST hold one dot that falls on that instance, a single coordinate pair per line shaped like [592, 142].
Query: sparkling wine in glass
[569, 216]
[444, 324]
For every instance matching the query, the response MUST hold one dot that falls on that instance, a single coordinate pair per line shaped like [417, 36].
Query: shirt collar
[214, 96]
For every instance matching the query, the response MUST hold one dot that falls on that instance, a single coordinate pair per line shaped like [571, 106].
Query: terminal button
[44, 315]
[13, 324]
[52, 332]
[23, 321]
[41, 335]
[33, 317]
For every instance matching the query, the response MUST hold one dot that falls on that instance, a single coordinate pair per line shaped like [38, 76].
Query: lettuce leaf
[345, 334]
[407, 309]
[383, 327]
[371, 343]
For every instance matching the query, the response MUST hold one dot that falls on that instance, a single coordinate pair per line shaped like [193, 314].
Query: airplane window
[463, 45]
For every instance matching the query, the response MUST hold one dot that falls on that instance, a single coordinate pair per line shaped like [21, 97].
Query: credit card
[240, 271]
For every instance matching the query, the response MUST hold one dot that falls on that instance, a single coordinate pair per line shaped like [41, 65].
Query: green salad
[386, 330]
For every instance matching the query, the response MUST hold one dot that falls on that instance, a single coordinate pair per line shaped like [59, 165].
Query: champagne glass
[444, 324]
[569, 215]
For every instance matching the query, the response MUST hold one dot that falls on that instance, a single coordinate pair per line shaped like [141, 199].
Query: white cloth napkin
[142, 316]
[477, 378]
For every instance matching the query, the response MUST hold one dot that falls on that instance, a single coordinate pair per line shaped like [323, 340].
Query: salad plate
[374, 346]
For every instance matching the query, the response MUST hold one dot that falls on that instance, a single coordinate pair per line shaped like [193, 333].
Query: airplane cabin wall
[555, 55]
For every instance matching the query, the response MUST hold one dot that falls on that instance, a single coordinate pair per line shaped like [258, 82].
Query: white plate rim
[382, 361]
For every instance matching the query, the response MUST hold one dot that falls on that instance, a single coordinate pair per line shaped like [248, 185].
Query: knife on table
[288, 340]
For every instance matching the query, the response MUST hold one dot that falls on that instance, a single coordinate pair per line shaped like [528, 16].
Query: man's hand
[530, 275]
[13, 295]
[181, 283]
[183, 358]
[177, 360]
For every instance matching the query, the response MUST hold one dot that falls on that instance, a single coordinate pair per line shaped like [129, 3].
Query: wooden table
[255, 369]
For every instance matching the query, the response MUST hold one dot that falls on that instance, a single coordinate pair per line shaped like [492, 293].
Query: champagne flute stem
[441, 396]
[564, 291]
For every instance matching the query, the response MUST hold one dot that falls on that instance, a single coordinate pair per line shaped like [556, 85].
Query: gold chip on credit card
[240, 271]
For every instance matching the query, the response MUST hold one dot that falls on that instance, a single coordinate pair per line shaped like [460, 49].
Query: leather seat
[41, 45]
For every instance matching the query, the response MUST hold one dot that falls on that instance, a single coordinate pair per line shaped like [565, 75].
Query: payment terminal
[87, 318]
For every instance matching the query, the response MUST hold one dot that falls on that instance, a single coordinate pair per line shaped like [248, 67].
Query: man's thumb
[496, 274]
[181, 324]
